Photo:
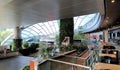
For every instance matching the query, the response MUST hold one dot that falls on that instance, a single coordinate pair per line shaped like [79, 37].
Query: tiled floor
[14, 63]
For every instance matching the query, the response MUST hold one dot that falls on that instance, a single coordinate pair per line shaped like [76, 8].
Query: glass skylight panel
[48, 30]
[87, 19]
[53, 31]
[34, 28]
[44, 31]
[52, 28]
[27, 33]
[27, 29]
[56, 27]
[24, 35]
[82, 20]
[37, 26]
[55, 21]
[91, 15]
[41, 29]
[41, 24]
[78, 22]
[34, 32]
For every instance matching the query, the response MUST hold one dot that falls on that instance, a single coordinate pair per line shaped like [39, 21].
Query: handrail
[89, 55]
[75, 57]
[89, 61]
[72, 64]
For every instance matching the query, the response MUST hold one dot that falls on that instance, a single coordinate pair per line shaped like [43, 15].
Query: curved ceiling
[112, 15]
[28, 12]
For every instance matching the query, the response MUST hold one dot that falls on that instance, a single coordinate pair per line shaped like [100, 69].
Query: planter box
[28, 51]
[9, 54]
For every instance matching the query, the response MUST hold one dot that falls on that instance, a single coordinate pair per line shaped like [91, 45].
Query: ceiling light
[112, 1]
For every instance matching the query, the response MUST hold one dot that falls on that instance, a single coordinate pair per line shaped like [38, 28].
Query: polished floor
[14, 63]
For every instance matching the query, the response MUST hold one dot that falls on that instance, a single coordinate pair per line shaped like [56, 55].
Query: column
[112, 36]
[17, 33]
[116, 35]
[66, 29]
[17, 39]
[106, 35]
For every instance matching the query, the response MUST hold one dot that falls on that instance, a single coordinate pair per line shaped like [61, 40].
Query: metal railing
[52, 64]
[92, 59]
[69, 62]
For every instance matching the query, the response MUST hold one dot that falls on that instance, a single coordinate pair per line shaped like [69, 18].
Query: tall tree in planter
[66, 29]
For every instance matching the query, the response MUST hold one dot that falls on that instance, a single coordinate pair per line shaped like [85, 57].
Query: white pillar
[112, 35]
[17, 33]
[116, 35]
[106, 35]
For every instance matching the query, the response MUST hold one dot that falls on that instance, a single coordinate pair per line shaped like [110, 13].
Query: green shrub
[82, 46]
[46, 51]
[13, 47]
[26, 68]
[25, 45]
[67, 48]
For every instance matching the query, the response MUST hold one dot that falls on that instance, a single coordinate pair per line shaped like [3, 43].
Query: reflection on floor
[14, 63]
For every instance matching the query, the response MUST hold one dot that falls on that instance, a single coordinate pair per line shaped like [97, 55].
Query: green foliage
[66, 29]
[57, 39]
[67, 48]
[34, 45]
[42, 45]
[82, 46]
[25, 45]
[46, 51]
[13, 47]
[4, 34]
[26, 68]
[49, 49]
[63, 48]
[80, 35]
[16, 45]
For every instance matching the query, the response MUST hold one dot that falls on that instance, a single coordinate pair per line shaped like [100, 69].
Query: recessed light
[112, 1]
